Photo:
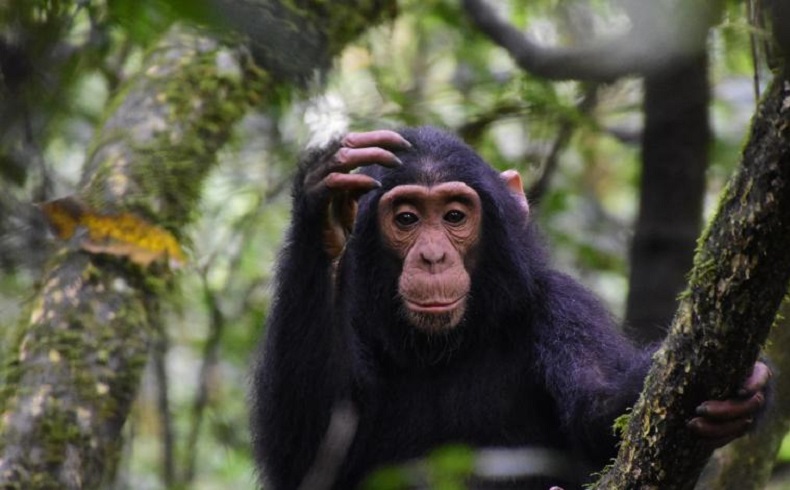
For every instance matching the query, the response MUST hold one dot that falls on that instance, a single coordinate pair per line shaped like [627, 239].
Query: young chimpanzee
[417, 291]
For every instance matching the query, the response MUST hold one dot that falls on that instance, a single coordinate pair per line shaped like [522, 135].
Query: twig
[210, 356]
[159, 356]
[538, 189]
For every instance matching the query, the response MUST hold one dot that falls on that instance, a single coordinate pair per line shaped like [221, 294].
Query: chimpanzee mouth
[433, 307]
[433, 315]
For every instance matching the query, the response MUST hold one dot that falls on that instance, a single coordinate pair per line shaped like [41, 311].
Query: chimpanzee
[417, 290]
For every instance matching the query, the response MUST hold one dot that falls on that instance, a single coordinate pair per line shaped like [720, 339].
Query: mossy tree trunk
[746, 464]
[79, 361]
[740, 276]
[77, 366]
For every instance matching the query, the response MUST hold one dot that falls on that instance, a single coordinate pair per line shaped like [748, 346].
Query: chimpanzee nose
[433, 255]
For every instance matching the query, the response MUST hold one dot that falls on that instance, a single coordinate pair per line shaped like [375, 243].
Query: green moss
[156, 167]
[621, 423]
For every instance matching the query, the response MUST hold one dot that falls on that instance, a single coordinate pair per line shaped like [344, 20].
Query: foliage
[144, 21]
[428, 66]
[446, 468]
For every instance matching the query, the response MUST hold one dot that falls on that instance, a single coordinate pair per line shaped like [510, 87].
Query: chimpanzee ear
[513, 182]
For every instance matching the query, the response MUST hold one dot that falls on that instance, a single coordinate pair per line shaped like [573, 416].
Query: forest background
[625, 142]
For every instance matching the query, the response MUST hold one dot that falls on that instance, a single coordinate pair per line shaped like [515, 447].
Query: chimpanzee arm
[595, 374]
[591, 370]
[302, 369]
[293, 384]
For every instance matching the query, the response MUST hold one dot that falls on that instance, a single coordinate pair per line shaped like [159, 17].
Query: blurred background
[582, 145]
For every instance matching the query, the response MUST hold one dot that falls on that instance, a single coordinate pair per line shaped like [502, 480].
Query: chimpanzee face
[434, 231]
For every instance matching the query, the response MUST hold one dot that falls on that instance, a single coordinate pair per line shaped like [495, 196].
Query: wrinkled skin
[434, 232]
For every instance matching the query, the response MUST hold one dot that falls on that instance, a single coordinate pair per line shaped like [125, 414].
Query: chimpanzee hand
[336, 191]
[719, 422]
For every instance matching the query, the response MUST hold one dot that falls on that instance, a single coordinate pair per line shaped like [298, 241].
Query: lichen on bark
[296, 39]
[75, 373]
[747, 463]
[77, 366]
[739, 279]
[161, 138]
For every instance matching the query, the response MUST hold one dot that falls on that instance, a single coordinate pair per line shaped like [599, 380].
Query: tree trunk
[747, 463]
[739, 278]
[80, 358]
[675, 145]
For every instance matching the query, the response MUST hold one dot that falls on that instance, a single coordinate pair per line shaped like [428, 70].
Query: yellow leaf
[122, 234]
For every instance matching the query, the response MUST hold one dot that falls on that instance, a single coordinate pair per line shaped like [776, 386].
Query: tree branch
[638, 51]
[747, 463]
[77, 368]
[739, 279]
[566, 129]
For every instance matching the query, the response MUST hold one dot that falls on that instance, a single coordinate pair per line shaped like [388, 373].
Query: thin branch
[567, 127]
[601, 60]
[632, 137]
[159, 357]
[751, 15]
[473, 130]
[210, 358]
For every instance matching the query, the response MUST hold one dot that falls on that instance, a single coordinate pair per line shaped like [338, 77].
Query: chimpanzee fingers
[382, 137]
[337, 183]
[357, 150]
[356, 184]
[714, 430]
[347, 189]
[756, 381]
[341, 192]
[348, 159]
[732, 409]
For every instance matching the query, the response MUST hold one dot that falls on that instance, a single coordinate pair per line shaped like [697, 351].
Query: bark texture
[76, 369]
[747, 463]
[79, 361]
[295, 39]
[740, 276]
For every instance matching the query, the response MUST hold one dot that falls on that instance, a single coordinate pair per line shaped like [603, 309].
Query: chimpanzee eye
[454, 217]
[406, 219]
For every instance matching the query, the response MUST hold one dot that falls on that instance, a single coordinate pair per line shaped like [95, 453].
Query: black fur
[536, 361]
